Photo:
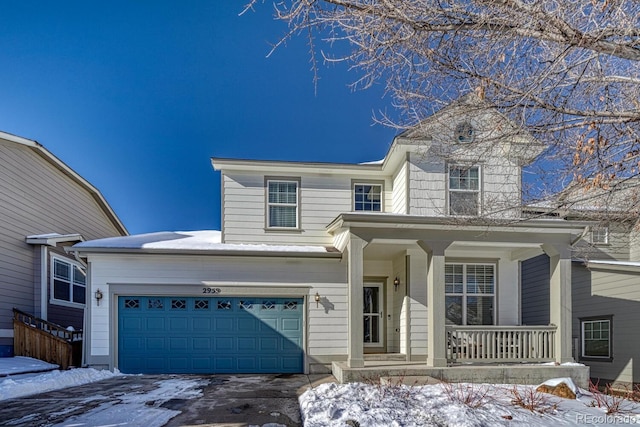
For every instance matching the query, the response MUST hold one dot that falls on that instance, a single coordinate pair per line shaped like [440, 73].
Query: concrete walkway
[227, 400]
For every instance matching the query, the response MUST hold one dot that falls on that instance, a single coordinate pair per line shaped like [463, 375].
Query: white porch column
[436, 335]
[560, 300]
[355, 352]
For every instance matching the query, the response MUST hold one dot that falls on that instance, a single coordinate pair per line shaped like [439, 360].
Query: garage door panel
[269, 343]
[155, 324]
[209, 335]
[178, 324]
[247, 344]
[178, 344]
[155, 343]
[201, 324]
[223, 324]
[247, 323]
[202, 344]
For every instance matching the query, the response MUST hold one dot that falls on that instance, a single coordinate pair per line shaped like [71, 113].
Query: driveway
[221, 400]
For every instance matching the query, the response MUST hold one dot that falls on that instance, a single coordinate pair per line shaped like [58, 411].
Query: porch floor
[516, 373]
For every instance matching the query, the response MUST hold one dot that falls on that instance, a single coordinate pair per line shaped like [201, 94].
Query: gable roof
[521, 145]
[37, 148]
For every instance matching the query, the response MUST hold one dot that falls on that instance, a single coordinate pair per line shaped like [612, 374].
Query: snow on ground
[133, 409]
[444, 405]
[370, 405]
[24, 381]
[20, 365]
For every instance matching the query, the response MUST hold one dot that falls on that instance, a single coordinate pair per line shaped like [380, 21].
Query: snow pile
[20, 364]
[25, 385]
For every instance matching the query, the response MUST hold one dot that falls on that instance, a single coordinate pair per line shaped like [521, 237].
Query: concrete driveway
[226, 400]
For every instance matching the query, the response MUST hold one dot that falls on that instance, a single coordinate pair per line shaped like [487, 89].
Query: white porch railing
[491, 344]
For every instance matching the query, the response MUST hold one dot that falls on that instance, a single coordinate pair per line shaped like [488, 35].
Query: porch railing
[494, 344]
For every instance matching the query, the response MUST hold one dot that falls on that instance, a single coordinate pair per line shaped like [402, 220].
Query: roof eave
[84, 251]
[346, 220]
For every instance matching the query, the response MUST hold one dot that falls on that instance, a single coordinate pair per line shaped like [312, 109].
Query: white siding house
[414, 259]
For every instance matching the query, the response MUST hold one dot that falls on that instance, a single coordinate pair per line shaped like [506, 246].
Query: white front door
[373, 316]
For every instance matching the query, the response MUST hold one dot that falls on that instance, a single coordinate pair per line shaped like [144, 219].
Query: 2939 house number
[212, 291]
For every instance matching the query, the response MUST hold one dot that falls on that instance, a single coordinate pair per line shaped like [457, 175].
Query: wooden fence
[37, 338]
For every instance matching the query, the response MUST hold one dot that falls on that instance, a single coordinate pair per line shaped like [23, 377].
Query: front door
[372, 311]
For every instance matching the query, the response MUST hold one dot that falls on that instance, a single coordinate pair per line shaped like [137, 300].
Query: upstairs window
[68, 282]
[282, 204]
[367, 197]
[464, 190]
[600, 235]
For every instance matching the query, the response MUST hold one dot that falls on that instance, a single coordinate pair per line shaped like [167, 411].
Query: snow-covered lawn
[357, 404]
[373, 405]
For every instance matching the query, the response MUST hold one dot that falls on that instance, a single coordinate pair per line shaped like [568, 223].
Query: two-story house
[45, 207]
[413, 260]
[605, 281]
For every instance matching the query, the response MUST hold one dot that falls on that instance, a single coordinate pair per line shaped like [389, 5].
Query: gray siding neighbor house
[605, 287]
[45, 207]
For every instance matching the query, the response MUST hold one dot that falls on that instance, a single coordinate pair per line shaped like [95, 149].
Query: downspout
[44, 288]
[87, 306]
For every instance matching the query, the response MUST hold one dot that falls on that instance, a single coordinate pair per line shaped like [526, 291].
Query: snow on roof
[205, 240]
[375, 162]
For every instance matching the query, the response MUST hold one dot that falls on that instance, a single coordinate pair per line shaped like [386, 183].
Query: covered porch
[438, 297]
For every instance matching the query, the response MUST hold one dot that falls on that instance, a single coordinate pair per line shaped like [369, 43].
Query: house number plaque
[211, 291]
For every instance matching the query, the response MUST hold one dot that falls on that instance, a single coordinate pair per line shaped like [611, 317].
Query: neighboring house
[45, 207]
[414, 259]
[605, 283]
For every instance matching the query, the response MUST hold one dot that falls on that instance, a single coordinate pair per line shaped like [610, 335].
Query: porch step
[392, 357]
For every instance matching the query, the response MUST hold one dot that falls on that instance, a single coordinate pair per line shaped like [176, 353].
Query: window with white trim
[367, 197]
[469, 293]
[68, 281]
[282, 204]
[600, 235]
[464, 190]
[596, 338]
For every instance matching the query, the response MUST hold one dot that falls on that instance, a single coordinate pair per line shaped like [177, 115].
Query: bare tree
[568, 71]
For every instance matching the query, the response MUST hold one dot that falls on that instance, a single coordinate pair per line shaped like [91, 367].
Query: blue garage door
[209, 335]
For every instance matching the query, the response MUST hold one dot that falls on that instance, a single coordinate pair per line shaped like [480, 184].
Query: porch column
[436, 335]
[560, 300]
[355, 355]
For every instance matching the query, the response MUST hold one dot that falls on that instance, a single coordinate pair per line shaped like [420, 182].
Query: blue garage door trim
[187, 335]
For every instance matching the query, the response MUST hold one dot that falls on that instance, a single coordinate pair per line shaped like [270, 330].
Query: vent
[464, 132]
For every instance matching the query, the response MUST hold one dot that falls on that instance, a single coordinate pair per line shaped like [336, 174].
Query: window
[596, 338]
[464, 190]
[367, 197]
[469, 294]
[600, 235]
[68, 281]
[282, 204]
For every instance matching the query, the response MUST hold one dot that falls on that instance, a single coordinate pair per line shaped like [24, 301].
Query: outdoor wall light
[98, 296]
[317, 299]
[396, 283]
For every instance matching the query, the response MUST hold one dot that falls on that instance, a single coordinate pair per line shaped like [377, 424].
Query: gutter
[334, 254]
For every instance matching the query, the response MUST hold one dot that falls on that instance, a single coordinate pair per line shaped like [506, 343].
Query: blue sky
[137, 96]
